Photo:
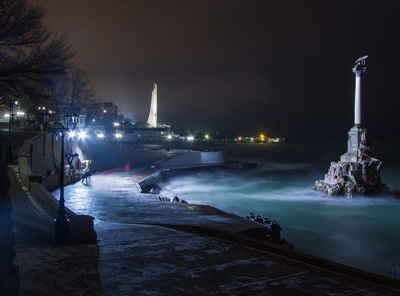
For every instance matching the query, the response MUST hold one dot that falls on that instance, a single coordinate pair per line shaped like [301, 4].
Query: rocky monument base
[357, 172]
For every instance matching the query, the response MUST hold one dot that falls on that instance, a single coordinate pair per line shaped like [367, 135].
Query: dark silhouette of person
[259, 219]
[85, 176]
[275, 231]
[251, 216]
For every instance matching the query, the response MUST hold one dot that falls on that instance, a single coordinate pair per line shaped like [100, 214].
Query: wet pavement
[115, 197]
[136, 259]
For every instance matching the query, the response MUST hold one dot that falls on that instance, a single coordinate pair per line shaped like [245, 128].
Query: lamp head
[75, 118]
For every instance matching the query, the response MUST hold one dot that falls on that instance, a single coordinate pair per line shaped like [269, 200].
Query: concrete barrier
[195, 158]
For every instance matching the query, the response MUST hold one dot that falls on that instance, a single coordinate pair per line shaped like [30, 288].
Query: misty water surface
[363, 232]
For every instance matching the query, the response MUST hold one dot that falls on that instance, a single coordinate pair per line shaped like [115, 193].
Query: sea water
[363, 232]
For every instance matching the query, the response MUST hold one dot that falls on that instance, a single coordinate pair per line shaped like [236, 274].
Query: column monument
[357, 172]
[359, 69]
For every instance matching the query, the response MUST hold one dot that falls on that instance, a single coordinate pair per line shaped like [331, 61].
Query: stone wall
[44, 156]
[37, 162]
[195, 158]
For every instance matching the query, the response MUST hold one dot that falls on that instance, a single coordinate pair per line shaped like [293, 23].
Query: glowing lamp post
[9, 153]
[190, 139]
[169, 137]
[61, 223]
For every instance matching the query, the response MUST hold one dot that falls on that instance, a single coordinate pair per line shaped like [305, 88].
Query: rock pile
[357, 172]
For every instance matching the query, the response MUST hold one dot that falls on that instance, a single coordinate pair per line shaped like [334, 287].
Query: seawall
[39, 166]
[84, 229]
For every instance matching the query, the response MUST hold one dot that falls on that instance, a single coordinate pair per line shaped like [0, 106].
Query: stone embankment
[92, 267]
[39, 159]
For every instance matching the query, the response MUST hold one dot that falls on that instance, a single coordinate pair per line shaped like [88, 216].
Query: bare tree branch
[29, 56]
[73, 89]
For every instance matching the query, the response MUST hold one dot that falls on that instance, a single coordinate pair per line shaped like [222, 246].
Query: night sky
[278, 67]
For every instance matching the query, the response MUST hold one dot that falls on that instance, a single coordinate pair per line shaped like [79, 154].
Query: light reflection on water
[360, 232]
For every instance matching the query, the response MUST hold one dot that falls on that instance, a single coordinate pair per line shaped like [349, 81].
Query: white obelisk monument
[152, 120]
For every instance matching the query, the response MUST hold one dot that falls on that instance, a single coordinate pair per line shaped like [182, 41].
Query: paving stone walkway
[137, 259]
[32, 225]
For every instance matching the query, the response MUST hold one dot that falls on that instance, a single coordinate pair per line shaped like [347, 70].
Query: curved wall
[195, 158]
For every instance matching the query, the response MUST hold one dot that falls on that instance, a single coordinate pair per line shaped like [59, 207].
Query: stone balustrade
[81, 227]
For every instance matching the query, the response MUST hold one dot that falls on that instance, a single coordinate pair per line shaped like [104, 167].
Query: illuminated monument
[357, 172]
[152, 121]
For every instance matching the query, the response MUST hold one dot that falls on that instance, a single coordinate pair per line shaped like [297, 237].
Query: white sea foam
[363, 232]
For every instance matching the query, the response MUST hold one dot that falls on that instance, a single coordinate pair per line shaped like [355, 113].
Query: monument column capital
[360, 67]
[358, 71]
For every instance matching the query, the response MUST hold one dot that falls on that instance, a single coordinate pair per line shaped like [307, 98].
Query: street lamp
[190, 139]
[61, 223]
[9, 153]
[169, 137]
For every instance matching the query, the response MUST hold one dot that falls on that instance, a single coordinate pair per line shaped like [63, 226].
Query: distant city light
[207, 137]
[118, 135]
[20, 113]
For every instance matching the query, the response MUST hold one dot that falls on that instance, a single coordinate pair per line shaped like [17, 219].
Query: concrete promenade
[137, 256]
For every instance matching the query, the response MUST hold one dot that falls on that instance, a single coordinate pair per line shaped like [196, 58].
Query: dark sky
[279, 67]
